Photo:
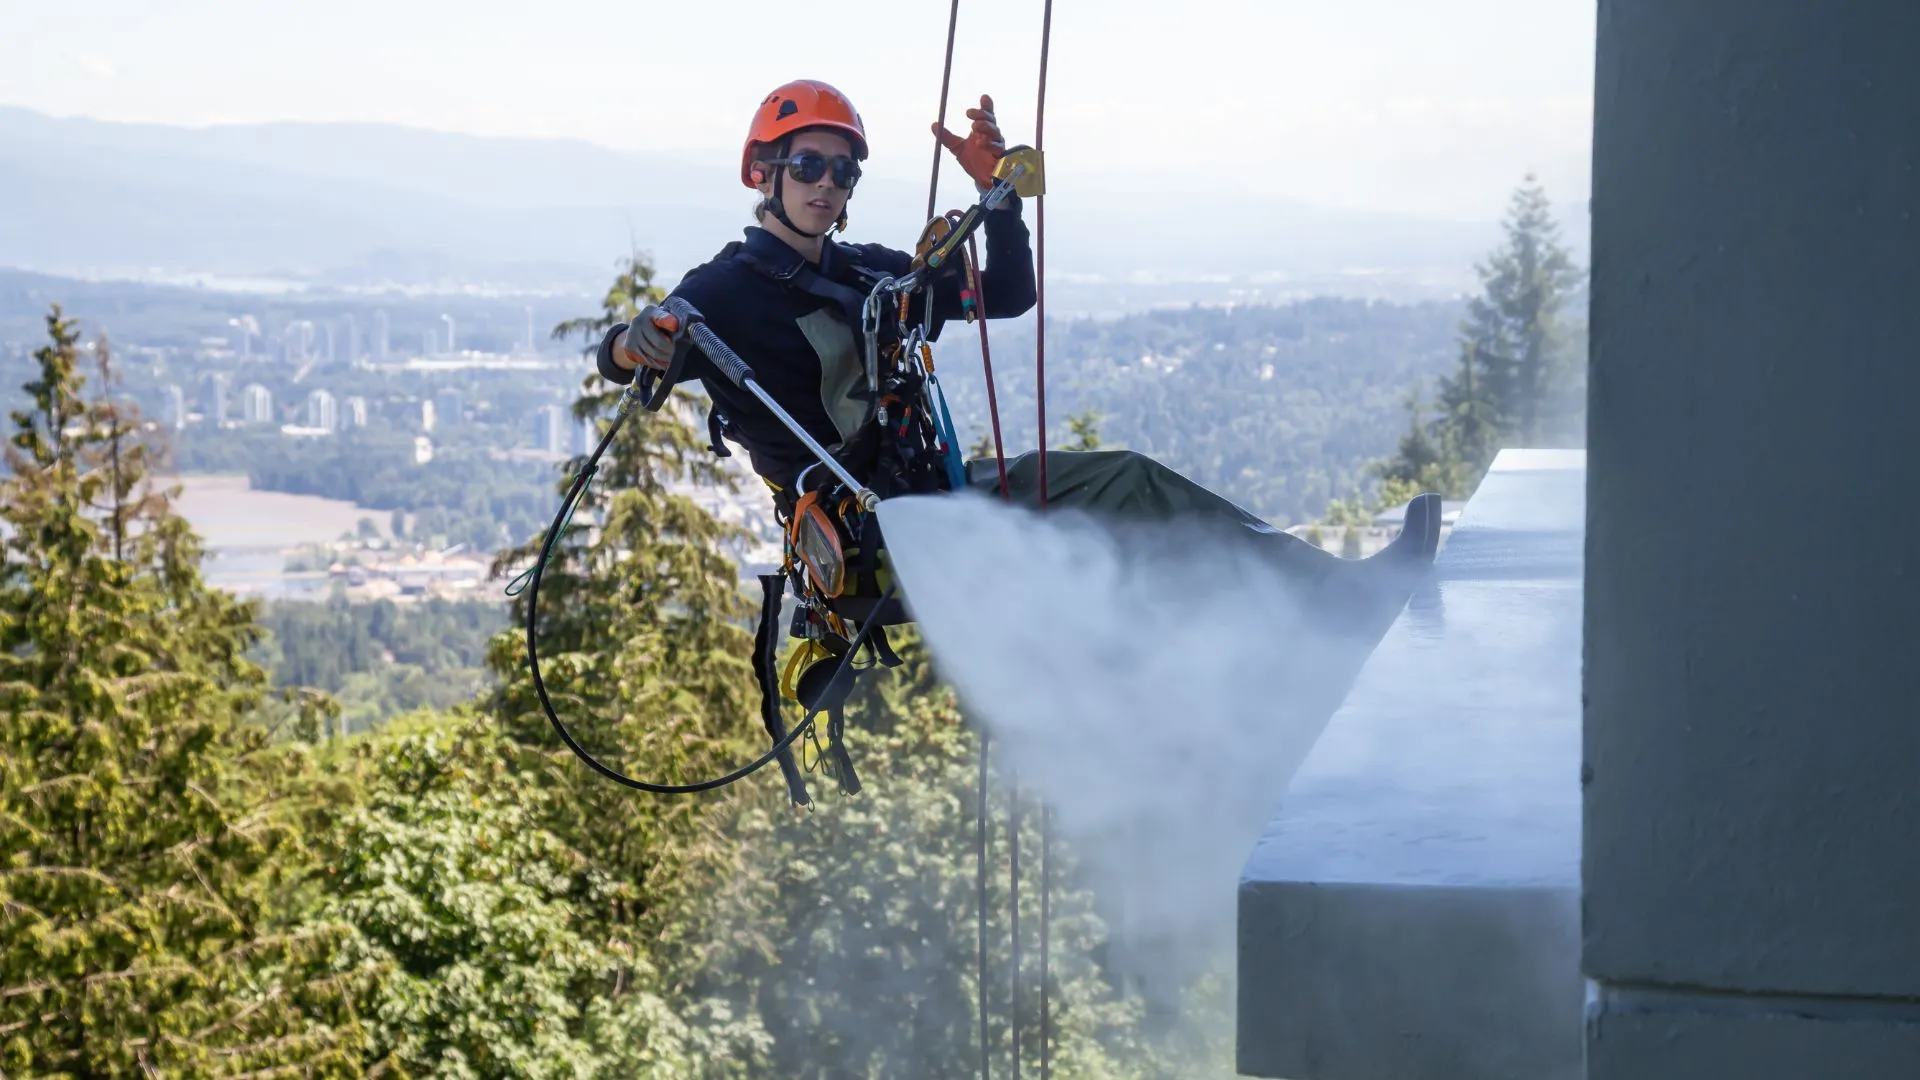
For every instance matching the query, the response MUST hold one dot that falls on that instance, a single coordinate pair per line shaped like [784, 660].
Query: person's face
[814, 205]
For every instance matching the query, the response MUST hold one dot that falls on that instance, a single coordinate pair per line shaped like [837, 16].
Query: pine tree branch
[212, 896]
[275, 994]
[136, 688]
[250, 947]
[34, 832]
[55, 783]
[324, 1037]
[42, 1020]
[29, 988]
[103, 977]
[16, 908]
[63, 871]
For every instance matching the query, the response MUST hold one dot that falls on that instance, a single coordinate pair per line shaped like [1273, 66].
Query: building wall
[1752, 731]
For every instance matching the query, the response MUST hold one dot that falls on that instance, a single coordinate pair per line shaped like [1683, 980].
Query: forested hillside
[381, 658]
[1280, 408]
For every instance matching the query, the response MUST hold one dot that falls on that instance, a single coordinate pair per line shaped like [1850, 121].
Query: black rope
[1013, 878]
[1046, 1020]
[532, 578]
[1040, 393]
[933, 188]
[982, 863]
[946, 80]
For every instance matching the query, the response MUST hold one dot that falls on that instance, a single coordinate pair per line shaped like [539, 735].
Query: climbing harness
[638, 393]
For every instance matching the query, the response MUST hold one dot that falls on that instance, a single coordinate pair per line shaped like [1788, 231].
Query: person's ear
[762, 178]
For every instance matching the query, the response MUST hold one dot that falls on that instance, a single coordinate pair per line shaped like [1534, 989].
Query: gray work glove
[651, 338]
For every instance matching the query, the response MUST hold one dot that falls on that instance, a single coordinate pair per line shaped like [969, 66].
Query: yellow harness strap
[798, 661]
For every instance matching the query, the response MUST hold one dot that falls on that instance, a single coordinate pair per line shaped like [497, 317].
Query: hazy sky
[1429, 106]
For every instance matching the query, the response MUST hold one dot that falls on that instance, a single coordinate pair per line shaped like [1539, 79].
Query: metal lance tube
[738, 373]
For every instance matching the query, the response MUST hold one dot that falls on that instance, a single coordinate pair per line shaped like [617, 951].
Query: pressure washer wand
[738, 373]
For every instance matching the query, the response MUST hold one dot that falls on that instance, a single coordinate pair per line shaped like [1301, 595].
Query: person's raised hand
[982, 147]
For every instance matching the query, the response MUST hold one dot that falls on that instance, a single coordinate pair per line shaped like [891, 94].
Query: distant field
[229, 515]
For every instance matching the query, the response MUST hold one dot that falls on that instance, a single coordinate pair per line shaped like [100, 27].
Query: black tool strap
[882, 650]
[837, 751]
[766, 651]
[717, 431]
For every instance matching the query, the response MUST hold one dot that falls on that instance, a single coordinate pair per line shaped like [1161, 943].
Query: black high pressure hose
[533, 604]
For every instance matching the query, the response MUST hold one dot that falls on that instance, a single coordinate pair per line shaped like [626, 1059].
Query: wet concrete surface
[1412, 907]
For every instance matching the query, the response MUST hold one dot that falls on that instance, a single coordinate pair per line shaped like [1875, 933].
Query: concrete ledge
[1667, 1036]
[1411, 982]
[1413, 909]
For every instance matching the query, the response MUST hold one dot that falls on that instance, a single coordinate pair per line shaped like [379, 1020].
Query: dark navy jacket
[805, 349]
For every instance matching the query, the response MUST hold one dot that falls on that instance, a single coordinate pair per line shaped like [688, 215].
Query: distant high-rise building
[426, 415]
[297, 340]
[322, 412]
[448, 319]
[176, 407]
[447, 406]
[550, 429]
[352, 352]
[422, 449]
[245, 328]
[333, 355]
[213, 398]
[356, 414]
[585, 438]
[429, 343]
[256, 404]
[380, 332]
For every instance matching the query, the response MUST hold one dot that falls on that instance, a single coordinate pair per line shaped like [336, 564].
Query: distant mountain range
[366, 204]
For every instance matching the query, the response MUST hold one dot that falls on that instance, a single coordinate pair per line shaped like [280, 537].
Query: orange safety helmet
[801, 104]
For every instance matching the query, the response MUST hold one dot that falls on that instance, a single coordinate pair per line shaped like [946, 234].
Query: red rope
[986, 364]
[1000, 461]
[1040, 396]
[999, 452]
[1040, 260]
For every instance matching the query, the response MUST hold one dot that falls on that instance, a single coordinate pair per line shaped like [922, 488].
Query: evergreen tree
[451, 883]
[982, 448]
[1471, 428]
[1419, 453]
[1085, 428]
[645, 639]
[141, 821]
[1520, 364]
[852, 931]
[1517, 327]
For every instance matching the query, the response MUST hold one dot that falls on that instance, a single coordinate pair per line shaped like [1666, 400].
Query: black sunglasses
[808, 166]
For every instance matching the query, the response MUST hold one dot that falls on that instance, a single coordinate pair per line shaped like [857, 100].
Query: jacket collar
[782, 261]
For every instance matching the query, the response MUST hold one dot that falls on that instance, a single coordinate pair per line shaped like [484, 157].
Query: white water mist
[1157, 687]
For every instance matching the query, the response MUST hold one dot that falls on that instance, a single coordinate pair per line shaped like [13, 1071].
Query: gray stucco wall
[1752, 636]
